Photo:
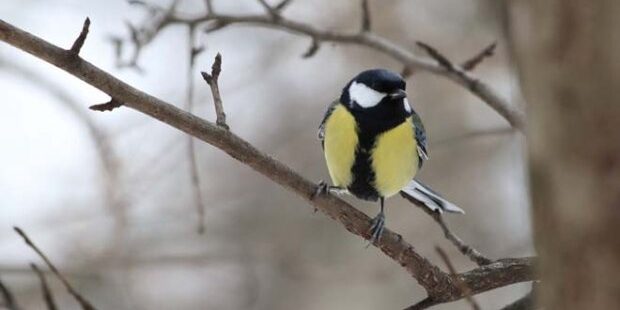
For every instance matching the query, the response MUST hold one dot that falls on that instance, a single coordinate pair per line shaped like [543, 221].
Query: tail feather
[422, 193]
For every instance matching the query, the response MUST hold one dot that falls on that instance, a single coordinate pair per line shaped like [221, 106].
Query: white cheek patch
[407, 106]
[364, 96]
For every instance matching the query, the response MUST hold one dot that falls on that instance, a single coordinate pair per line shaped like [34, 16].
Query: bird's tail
[423, 194]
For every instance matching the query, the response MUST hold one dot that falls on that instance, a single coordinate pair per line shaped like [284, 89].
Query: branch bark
[440, 286]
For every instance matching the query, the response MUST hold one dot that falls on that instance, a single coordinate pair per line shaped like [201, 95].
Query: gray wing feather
[420, 136]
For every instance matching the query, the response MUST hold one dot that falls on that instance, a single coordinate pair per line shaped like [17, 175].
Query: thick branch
[500, 273]
[439, 285]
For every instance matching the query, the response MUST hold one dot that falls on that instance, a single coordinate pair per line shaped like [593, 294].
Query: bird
[374, 145]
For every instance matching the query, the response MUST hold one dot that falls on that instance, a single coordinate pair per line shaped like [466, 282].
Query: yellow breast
[395, 159]
[340, 144]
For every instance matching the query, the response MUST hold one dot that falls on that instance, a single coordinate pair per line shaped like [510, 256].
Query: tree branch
[439, 285]
[411, 62]
[85, 304]
[47, 293]
[273, 19]
[465, 249]
[212, 81]
[79, 41]
[107, 106]
[464, 288]
[191, 149]
[7, 297]
[473, 62]
[365, 16]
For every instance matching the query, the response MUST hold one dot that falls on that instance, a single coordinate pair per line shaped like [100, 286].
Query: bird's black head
[376, 91]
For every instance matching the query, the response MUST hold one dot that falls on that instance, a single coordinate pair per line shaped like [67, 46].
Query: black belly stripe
[371, 122]
[363, 174]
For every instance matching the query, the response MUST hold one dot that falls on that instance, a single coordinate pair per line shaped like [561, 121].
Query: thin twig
[464, 288]
[365, 16]
[282, 5]
[7, 296]
[439, 285]
[512, 114]
[435, 54]
[48, 297]
[314, 47]
[209, 6]
[79, 42]
[465, 249]
[107, 106]
[473, 62]
[141, 36]
[191, 150]
[270, 10]
[86, 305]
[212, 81]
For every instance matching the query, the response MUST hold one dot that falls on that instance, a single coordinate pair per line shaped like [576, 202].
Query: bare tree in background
[567, 53]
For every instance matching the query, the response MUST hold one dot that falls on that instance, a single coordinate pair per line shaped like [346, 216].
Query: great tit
[374, 144]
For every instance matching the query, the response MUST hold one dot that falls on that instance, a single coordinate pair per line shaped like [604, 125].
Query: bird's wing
[420, 136]
[330, 109]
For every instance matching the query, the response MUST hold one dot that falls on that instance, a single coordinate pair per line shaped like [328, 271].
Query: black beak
[399, 94]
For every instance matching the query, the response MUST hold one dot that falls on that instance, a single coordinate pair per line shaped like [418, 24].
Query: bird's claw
[321, 189]
[376, 228]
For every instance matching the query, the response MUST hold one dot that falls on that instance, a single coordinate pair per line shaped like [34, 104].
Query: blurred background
[108, 196]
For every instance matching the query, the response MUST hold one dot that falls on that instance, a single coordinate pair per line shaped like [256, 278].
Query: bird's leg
[323, 188]
[377, 224]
